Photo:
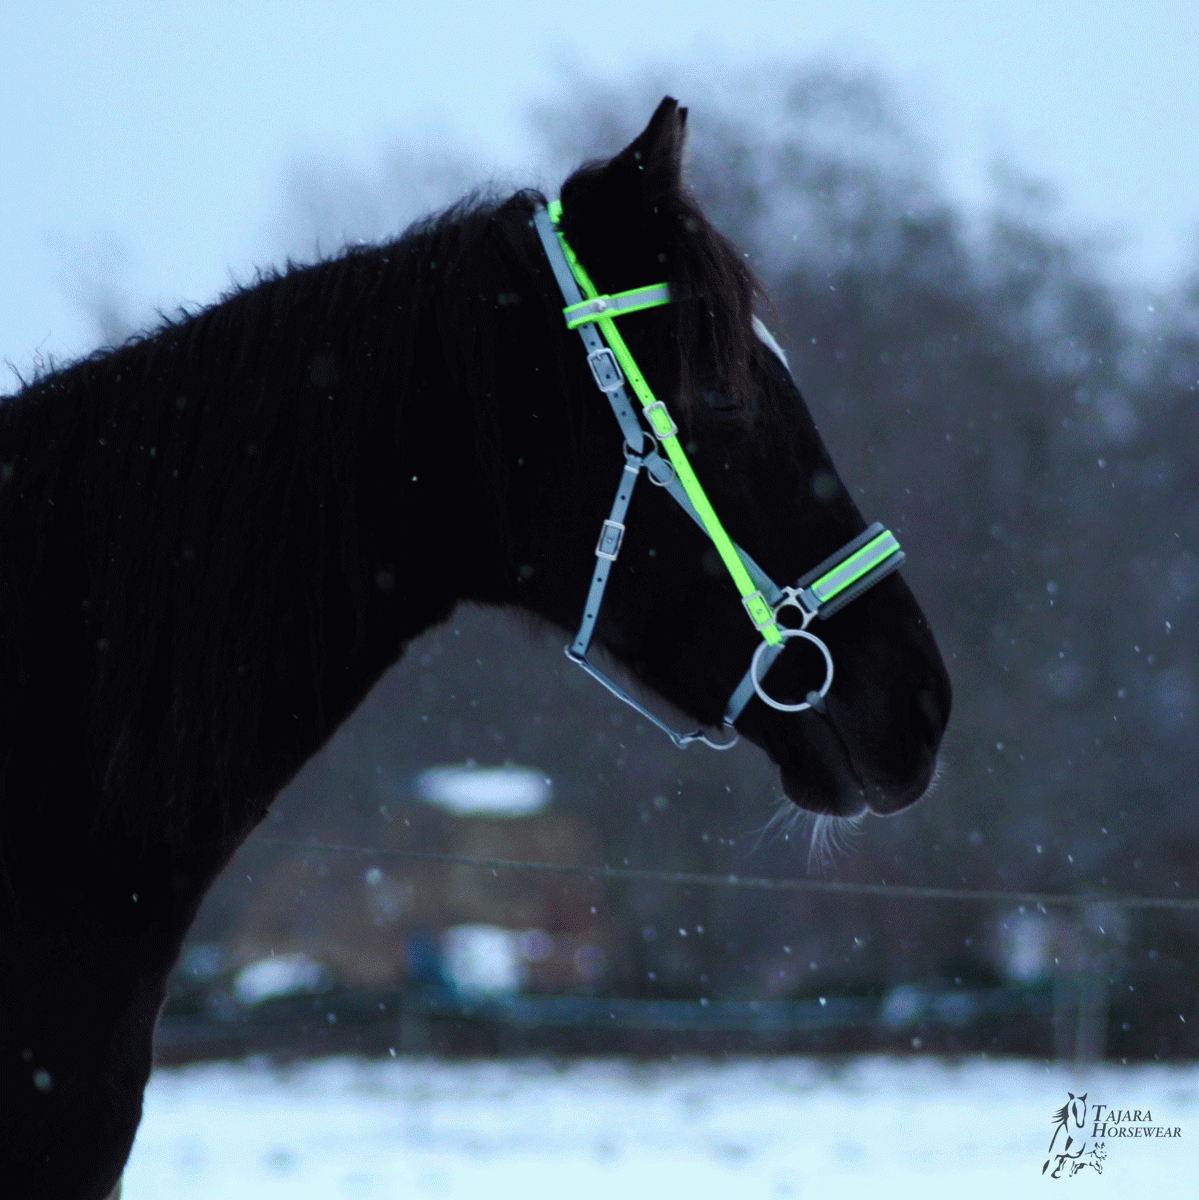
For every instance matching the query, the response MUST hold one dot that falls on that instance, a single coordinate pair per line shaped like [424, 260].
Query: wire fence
[1085, 1006]
[697, 879]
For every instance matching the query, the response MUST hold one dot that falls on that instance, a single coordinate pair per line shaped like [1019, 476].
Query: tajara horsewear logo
[1080, 1136]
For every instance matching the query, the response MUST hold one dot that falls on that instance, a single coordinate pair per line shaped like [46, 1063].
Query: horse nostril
[929, 721]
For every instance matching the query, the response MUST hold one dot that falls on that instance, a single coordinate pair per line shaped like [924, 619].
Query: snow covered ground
[617, 1130]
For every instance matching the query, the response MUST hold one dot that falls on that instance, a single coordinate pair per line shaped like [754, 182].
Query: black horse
[216, 538]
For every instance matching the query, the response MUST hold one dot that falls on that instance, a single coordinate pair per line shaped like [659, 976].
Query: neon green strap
[666, 431]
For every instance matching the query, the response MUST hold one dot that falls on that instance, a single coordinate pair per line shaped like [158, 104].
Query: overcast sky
[150, 145]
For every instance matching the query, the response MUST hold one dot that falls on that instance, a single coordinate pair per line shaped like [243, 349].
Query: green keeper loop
[759, 610]
[764, 622]
[661, 421]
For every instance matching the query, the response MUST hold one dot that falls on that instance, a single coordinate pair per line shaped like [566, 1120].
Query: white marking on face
[767, 337]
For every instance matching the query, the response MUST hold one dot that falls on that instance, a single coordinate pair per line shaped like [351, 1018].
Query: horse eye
[717, 400]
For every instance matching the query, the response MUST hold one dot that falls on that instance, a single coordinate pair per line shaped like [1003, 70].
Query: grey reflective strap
[618, 398]
[745, 689]
[659, 469]
[681, 740]
[852, 570]
[558, 264]
[617, 305]
[606, 550]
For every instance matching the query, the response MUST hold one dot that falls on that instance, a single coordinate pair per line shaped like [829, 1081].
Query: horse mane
[129, 465]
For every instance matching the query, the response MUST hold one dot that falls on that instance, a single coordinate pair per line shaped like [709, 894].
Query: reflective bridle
[842, 577]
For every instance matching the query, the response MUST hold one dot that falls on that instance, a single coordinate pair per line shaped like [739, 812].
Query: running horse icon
[1074, 1110]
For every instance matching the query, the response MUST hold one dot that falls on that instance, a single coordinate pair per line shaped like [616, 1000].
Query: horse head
[673, 617]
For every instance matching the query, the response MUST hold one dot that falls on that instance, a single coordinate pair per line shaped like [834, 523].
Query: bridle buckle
[608, 375]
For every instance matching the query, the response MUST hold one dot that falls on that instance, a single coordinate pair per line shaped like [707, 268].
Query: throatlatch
[842, 577]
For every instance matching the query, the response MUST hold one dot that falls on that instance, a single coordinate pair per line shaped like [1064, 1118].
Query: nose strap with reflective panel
[842, 577]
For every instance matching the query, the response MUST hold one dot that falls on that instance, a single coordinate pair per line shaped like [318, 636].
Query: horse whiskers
[940, 770]
[784, 823]
[828, 835]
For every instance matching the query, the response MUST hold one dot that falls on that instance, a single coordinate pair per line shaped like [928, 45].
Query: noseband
[842, 577]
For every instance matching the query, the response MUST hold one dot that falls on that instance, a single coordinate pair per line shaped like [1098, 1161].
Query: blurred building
[374, 920]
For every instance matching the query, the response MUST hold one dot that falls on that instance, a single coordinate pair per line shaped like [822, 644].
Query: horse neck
[273, 499]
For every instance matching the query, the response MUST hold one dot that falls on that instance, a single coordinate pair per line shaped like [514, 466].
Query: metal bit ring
[828, 675]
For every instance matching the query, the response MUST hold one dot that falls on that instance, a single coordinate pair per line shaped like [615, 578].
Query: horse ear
[642, 181]
[653, 160]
